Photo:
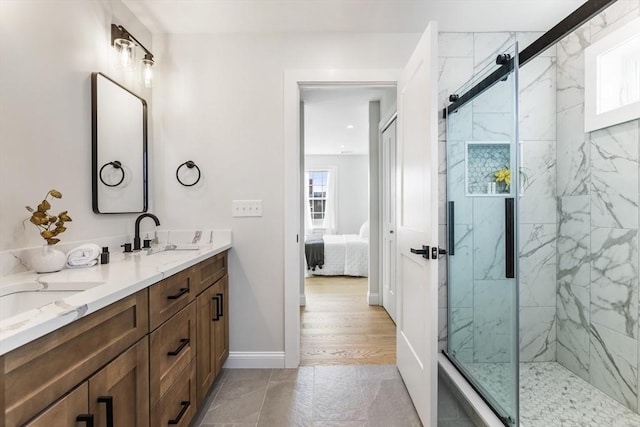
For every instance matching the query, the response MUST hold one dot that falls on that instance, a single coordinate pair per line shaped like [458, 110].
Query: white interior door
[417, 225]
[389, 220]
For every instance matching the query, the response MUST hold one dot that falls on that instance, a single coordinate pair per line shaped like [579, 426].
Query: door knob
[424, 251]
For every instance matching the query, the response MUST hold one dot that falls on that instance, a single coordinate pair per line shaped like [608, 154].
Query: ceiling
[336, 119]
[352, 16]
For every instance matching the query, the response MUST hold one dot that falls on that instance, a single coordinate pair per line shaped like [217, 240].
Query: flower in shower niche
[503, 179]
[503, 175]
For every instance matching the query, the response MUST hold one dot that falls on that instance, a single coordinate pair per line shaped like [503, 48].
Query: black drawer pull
[183, 344]
[109, 401]
[85, 418]
[179, 294]
[221, 298]
[185, 405]
[217, 315]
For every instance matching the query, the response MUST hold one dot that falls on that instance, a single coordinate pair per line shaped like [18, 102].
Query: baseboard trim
[374, 299]
[255, 359]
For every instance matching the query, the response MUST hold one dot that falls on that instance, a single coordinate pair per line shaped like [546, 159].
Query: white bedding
[344, 255]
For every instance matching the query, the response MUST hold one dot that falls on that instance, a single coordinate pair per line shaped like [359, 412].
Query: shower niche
[487, 171]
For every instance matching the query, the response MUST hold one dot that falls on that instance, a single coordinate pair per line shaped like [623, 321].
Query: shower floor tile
[551, 395]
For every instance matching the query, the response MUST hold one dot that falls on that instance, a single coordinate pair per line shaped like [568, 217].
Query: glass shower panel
[482, 194]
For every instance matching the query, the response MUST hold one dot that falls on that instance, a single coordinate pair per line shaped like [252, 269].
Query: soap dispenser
[104, 256]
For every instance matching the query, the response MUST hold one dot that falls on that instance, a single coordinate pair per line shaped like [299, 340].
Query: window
[612, 78]
[317, 190]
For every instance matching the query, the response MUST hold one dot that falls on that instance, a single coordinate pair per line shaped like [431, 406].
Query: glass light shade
[147, 72]
[126, 48]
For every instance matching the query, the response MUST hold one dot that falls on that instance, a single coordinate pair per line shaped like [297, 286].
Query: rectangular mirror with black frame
[119, 148]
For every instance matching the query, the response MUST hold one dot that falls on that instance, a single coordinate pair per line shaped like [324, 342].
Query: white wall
[220, 103]
[352, 188]
[48, 50]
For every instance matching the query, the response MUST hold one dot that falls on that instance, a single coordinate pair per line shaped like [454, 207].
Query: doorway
[342, 321]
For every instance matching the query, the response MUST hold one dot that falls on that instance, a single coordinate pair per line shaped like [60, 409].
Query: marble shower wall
[479, 275]
[597, 184]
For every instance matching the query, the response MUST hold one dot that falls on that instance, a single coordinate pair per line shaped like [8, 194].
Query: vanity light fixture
[125, 44]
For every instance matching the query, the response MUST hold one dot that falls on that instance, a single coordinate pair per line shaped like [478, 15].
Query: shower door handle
[451, 244]
[510, 235]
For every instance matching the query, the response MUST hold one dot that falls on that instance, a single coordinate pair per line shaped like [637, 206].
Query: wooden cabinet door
[221, 327]
[121, 390]
[205, 354]
[64, 413]
[213, 334]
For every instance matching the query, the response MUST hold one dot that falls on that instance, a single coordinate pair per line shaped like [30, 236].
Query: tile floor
[310, 396]
[551, 395]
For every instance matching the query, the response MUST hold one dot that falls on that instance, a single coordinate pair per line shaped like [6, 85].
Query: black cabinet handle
[217, 315]
[85, 418]
[179, 294]
[109, 402]
[510, 267]
[185, 405]
[221, 299]
[451, 228]
[183, 344]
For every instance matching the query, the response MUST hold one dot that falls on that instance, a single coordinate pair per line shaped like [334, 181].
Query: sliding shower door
[482, 199]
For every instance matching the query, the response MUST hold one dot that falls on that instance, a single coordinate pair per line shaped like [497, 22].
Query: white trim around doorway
[293, 234]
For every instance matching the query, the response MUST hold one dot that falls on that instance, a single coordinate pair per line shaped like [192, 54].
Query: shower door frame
[508, 68]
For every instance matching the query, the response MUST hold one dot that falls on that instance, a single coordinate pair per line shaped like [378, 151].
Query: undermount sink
[21, 297]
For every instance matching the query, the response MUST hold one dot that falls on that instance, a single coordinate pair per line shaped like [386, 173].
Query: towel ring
[116, 165]
[190, 164]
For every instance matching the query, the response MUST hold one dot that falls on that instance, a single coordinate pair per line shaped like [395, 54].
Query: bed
[344, 255]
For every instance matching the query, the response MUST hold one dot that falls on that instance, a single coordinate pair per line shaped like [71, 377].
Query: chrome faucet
[136, 239]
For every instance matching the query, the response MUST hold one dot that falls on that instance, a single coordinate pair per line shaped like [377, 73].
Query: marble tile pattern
[574, 283]
[598, 258]
[340, 396]
[493, 320]
[614, 176]
[538, 183]
[614, 279]
[550, 395]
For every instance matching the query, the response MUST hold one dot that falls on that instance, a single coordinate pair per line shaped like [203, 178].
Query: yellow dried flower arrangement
[50, 225]
[503, 175]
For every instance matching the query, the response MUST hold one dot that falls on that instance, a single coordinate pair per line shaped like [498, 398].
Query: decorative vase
[48, 260]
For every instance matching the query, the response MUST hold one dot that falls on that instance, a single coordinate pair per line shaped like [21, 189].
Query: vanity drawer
[210, 271]
[169, 296]
[171, 348]
[178, 404]
[38, 373]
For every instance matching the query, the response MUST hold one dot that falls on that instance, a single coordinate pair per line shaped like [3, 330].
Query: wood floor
[338, 327]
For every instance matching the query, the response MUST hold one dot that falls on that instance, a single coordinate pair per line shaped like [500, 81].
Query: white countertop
[125, 275]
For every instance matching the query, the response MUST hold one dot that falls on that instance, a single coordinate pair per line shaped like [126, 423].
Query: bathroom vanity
[141, 349]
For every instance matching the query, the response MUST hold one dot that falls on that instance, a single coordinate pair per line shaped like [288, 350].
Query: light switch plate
[242, 208]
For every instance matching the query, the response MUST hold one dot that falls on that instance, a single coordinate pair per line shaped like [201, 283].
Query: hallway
[338, 327]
